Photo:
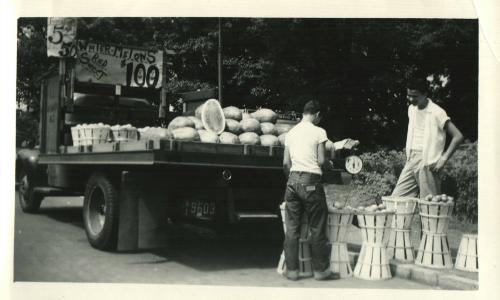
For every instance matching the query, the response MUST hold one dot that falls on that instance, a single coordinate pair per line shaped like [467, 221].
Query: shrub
[460, 180]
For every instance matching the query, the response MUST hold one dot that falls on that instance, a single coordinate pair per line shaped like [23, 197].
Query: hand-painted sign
[61, 34]
[118, 65]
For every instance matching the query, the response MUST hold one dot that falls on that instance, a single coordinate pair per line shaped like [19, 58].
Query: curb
[443, 279]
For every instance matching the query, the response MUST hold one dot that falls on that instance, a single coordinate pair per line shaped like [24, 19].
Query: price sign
[118, 65]
[61, 34]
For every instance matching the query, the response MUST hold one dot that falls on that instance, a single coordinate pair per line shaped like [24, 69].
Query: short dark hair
[418, 84]
[312, 107]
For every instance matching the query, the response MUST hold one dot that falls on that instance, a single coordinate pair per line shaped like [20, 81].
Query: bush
[381, 171]
[460, 180]
[378, 177]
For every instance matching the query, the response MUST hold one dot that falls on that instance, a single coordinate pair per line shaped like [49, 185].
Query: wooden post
[162, 114]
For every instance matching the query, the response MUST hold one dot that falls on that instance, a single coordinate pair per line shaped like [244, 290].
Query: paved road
[52, 246]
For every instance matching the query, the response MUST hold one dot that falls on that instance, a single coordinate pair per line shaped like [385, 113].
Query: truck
[132, 192]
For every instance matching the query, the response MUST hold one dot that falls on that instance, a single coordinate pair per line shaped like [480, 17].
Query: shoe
[325, 275]
[291, 275]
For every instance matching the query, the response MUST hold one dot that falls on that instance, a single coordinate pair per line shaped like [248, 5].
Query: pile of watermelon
[439, 199]
[229, 125]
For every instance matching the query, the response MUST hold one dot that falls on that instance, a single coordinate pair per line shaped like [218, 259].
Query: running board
[251, 216]
[53, 191]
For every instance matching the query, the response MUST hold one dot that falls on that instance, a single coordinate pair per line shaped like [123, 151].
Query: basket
[123, 134]
[434, 252]
[75, 135]
[337, 224]
[400, 246]
[373, 263]
[434, 249]
[435, 216]
[375, 226]
[467, 256]
[305, 260]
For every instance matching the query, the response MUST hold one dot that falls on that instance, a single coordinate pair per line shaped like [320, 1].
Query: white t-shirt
[418, 132]
[302, 142]
[434, 137]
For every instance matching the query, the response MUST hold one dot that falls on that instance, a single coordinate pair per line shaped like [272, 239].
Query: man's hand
[438, 166]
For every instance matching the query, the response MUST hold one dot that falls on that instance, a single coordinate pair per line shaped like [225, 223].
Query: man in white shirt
[302, 162]
[425, 142]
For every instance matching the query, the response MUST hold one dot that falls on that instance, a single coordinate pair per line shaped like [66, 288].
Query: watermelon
[282, 128]
[198, 110]
[268, 128]
[228, 138]
[250, 125]
[233, 126]
[269, 140]
[249, 138]
[232, 112]
[245, 116]
[281, 139]
[197, 123]
[186, 134]
[180, 122]
[265, 115]
[208, 136]
[212, 116]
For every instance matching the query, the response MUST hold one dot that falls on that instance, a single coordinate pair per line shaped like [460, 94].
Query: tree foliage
[356, 67]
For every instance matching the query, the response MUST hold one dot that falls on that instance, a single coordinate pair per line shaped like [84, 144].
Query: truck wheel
[29, 201]
[100, 212]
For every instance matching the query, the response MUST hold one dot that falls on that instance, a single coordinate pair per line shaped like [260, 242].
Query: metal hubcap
[96, 210]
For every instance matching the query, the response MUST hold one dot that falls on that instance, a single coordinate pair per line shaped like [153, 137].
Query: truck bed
[168, 152]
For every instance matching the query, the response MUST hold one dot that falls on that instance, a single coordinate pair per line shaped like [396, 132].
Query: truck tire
[100, 212]
[29, 201]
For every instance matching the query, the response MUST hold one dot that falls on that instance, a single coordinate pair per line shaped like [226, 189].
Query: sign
[118, 65]
[61, 34]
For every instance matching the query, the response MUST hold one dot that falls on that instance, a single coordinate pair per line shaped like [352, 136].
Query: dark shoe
[291, 275]
[326, 275]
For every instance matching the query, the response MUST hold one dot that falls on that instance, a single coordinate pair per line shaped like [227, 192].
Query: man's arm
[287, 162]
[456, 139]
[321, 155]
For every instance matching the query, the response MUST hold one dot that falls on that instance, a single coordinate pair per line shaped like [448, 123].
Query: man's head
[312, 111]
[417, 92]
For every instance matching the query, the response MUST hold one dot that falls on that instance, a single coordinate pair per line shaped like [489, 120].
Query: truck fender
[27, 162]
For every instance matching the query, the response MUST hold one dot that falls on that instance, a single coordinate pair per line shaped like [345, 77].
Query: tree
[356, 67]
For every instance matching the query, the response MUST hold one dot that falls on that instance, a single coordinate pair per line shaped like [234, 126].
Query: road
[52, 247]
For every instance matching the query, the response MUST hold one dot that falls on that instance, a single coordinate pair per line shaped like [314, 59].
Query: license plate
[199, 209]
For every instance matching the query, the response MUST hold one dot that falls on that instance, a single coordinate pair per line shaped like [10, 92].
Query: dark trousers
[304, 194]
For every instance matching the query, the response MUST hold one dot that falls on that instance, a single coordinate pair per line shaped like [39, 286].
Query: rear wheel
[100, 212]
[29, 201]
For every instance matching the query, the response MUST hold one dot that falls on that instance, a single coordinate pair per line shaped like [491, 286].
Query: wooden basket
[400, 246]
[339, 260]
[467, 256]
[434, 251]
[373, 263]
[375, 226]
[435, 216]
[305, 260]
[337, 225]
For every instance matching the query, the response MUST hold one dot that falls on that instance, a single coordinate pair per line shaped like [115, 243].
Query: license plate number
[199, 209]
